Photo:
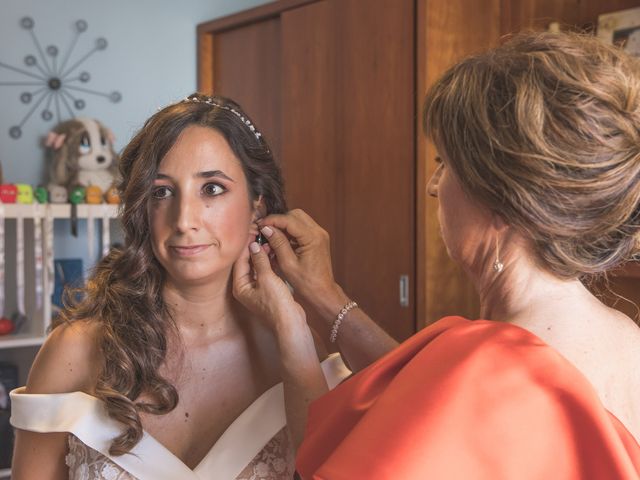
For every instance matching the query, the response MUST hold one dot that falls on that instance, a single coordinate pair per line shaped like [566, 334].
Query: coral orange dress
[467, 400]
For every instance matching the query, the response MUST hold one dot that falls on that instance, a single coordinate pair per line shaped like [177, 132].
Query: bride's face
[201, 212]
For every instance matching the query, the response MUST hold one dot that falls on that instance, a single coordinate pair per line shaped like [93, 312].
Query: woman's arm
[261, 291]
[63, 364]
[307, 267]
[39, 455]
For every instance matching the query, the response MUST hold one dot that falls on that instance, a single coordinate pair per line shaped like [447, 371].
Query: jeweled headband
[213, 103]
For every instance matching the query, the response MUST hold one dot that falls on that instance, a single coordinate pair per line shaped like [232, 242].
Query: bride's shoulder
[68, 361]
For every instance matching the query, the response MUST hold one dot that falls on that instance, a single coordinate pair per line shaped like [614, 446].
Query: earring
[260, 239]
[498, 265]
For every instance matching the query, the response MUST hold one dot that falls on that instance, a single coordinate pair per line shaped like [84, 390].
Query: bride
[159, 372]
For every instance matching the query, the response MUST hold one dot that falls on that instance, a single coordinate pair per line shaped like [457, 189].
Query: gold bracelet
[336, 324]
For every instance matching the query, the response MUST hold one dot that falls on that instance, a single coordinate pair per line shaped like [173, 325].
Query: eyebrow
[206, 174]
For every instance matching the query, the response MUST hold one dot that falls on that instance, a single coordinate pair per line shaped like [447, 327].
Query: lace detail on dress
[87, 464]
[274, 462]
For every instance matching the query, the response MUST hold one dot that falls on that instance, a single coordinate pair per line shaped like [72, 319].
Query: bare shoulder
[625, 340]
[68, 361]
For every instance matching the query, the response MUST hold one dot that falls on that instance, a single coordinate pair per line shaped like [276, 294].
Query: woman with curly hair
[159, 372]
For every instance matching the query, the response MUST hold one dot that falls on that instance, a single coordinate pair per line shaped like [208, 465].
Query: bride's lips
[188, 250]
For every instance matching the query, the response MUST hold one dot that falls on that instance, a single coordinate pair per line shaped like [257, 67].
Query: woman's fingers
[260, 260]
[280, 245]
[295, 223]
[242, 278]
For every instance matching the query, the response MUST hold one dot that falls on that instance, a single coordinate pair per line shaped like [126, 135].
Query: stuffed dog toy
[82, 154]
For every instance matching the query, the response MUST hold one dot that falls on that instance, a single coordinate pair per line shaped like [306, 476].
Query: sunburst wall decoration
[54, 86]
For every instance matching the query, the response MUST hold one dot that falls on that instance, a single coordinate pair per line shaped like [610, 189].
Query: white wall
[150, 59]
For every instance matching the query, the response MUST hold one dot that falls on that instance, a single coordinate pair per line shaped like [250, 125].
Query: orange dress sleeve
[467, 400]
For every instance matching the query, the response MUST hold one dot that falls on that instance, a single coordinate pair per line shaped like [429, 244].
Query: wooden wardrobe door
[377, 81]
[246, 68]
[331, 83]
[310, 126]
[309, 119]
[348, 129]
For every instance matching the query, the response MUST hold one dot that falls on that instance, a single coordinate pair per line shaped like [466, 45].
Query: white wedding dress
[254, 447]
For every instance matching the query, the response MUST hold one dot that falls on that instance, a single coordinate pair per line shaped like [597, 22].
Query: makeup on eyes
[210, 189]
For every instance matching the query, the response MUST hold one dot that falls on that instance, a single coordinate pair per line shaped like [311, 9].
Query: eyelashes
[211, 189]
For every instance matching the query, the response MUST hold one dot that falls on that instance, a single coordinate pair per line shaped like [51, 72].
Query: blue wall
[150, 59]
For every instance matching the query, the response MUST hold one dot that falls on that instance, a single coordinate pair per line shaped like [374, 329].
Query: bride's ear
[259, 208]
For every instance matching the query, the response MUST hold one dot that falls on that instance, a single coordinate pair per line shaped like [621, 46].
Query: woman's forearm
[361, 341]
[302, 375]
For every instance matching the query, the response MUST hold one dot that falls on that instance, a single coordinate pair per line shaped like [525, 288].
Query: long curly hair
[544, 130]
[124, 292]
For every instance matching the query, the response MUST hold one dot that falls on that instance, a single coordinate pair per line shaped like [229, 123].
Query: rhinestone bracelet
[338, 320]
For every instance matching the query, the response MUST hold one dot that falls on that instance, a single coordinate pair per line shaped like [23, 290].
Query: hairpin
[210, 101]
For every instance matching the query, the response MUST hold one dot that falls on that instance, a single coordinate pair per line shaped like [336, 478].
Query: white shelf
[20, 340]
[20, 348]
[59, 210]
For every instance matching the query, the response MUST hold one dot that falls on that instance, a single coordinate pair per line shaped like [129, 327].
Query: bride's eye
[161, 192]
[213, 189]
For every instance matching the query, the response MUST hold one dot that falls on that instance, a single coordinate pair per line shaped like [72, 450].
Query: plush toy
[82, 154]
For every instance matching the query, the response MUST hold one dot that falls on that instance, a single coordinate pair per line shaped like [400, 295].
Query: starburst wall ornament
[54, 87]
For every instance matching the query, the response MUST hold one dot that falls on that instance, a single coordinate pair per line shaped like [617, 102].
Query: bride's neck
[203, 310]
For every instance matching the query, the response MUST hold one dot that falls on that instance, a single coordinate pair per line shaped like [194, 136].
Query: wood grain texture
[537, 14]
[310, 125]
[341, 106]
[377, 104]
[205, 62]
[247, 66]
[451, 30]
[252, 15]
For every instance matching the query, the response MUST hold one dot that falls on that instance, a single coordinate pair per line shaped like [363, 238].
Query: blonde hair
[544, 131]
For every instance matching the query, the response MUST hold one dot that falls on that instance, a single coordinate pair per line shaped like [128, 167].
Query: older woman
[538, 184]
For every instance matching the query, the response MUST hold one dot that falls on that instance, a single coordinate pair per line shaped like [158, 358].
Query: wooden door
[243, 63]
[344, 122]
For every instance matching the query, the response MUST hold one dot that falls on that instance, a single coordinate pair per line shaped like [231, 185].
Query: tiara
[210, 101]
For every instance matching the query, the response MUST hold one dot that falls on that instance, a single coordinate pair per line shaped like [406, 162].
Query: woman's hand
[265, 294]
[303, 255]
[261, 291]
[303, 252]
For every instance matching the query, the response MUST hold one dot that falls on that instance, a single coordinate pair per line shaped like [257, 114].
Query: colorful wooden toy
[8, 193]
[112, 196]
[41, 194]
[25, 193]
[6, 326]
[77, 195]
[58, 194]
[94, 194]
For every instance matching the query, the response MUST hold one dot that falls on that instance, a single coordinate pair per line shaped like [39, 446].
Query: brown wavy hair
[544, 130]
[124, 293]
